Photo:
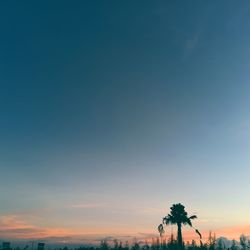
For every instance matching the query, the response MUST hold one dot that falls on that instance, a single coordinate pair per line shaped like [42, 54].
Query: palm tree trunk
[179, 237]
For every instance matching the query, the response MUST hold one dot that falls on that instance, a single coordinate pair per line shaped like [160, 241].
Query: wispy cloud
[119, 208]
[16, 226]
[13, 221]
[90, 205]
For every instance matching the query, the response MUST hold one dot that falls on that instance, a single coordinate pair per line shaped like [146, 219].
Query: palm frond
[193, 217]
[161, 229]
[167, 220]
[188, 221]
[197, 231]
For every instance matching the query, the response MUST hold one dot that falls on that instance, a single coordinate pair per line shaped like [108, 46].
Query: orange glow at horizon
[28, 232]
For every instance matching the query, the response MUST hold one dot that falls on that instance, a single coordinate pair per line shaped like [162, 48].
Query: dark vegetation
[171, 243]
[163, 243]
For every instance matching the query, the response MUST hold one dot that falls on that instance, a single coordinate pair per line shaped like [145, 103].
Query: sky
[111, 111]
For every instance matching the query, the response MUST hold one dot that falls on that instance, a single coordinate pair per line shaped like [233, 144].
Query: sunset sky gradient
[111, 111]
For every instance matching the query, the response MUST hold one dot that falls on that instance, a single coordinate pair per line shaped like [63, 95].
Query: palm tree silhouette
[178, 216]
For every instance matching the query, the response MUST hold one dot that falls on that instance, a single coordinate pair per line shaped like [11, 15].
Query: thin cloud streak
[119, 209]
[90, 205]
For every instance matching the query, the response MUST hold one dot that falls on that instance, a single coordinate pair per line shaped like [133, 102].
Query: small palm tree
[178, 216]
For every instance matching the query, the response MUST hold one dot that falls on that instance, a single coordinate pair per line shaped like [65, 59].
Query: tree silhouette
[243, 241]
[211, 241]
[178, 216]
[234, 245]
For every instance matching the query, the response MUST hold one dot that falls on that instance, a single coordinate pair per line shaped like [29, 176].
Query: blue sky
[112, 111]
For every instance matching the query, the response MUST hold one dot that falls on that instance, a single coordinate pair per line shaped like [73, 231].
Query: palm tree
[178, 216]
